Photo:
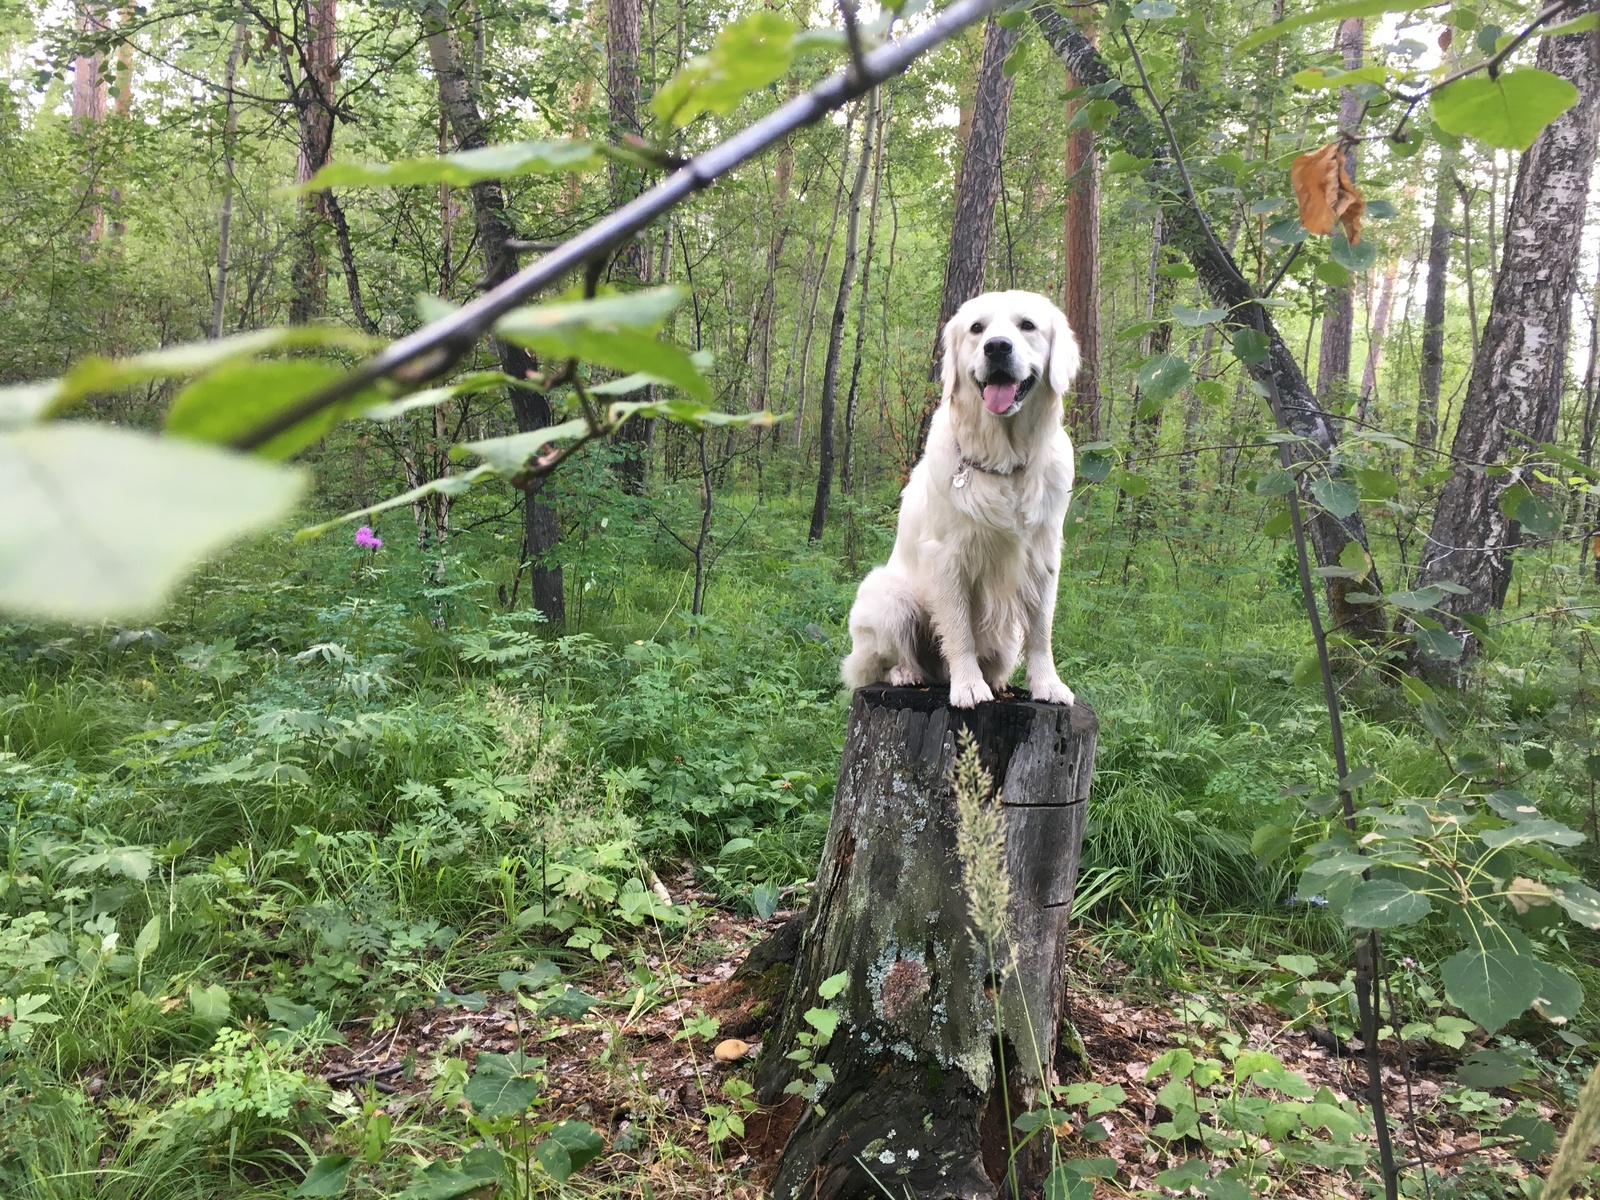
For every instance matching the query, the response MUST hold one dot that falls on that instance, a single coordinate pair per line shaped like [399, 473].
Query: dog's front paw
[1052, 691]
[969, 695]
[900, 676]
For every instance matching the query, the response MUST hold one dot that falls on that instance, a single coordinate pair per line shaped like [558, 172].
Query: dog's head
[1005, 344]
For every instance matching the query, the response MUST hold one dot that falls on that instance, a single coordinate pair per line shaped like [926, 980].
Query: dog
[971, 583]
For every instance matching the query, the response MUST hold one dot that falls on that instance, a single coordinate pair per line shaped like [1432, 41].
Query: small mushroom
[731, 1050]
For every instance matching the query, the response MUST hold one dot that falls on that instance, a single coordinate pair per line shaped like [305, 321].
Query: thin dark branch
[435, 348]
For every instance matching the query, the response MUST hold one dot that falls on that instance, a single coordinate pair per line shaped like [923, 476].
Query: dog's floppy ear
[949, 357]
[1063, 353]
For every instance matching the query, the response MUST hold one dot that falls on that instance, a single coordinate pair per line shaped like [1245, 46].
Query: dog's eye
[977, 327]
[1026, 325]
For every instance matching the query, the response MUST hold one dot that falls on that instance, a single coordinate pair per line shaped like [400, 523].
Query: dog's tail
[883, 630]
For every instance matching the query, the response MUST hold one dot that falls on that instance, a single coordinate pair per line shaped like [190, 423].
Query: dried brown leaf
[1326, 193]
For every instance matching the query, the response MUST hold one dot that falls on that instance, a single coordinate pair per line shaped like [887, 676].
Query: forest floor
[646, 1083]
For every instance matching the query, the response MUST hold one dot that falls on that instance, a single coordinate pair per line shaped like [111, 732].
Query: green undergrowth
[335, 785]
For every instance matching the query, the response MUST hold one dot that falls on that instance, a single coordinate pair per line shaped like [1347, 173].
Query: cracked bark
[1516, 382]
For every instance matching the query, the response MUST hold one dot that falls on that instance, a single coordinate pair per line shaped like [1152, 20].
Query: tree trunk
[1338, 307]
[841, 308]
[1432, 368]
[1380, 326]
[629, 269]
[848, 459]
[821, 277]
[531, 408]
[1081, 298]
[1219, 275]
[89, 102]
[977, 189]
[931, 1062]
[230, 133]
[1517, 377]
[313, 98]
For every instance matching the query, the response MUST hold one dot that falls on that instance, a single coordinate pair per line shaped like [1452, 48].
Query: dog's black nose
[997, 348]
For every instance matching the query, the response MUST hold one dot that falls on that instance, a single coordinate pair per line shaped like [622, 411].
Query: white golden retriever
[972, 580]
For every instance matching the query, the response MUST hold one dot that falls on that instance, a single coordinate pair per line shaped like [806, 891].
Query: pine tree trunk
[531, 408]
[977, 189]
[1432, 368]
[1338, 312]
[841, 308]
[931, 1062]
[89, 101]
[1517, 377]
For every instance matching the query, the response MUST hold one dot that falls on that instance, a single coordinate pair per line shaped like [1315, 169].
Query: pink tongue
[997, 397]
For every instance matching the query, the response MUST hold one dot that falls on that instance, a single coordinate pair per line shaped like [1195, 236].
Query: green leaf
[1153, 10]
[823, 1020]
[1492, 986]
[1383, 904]
[571, 1146]
[833, 985]
[1194, 318]
[467, 385]
[1381, 210]
[1123, 163]
[1560, 994]
[1161, 376]
[496, 1092]
[1420, 600]
[328, 1176]
[149, 938]
[1328, 12]
[748, 55]
[102, 523]
[1354, 559]
[1538, 1135]
[1528, 833]
[1131, 485]
[1063, 1183]
[1282, 234]
[1581, 902]
[1508, 111]
[1340, 498]
[613, 331]
[512, 453]
[465, 167]
[210, 1005]
[1250, 346]
[449, 485]
[1358, 257]
[1538, 516]
[241, 396]
[1332, 273]
[1537, 757]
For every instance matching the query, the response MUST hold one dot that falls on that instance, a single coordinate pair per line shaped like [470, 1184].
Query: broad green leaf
[1161, 376]
[1153, 10]
[1327, 77]
[1331, 272]
[1327, 12]
[495, 1092]
[240, 396]
[1250, 345]
[1528, 833]
[833, 985]
[613, 331]
[1438, 643]
[1282, 234]
[328, 1177]
[1581, 24]
[1581, 902]
[1063, 1183]
[1340, 498]
[1420, 600]
[1123, 163]
[210, 1005]
[1508, 111]
[1560, 994]
[1381, 210]
[1354, 558]
[570, 1147]
[643, 310]
[450, 485]
[1538, 1135]
[1358, 257]
[149, 938]
[1383, 904]
[748, 55]
[467, 385]
[1539, 516]
[1492, 986]
[102, 523]
[823, 1020]
[1195, 318]
[465, 167]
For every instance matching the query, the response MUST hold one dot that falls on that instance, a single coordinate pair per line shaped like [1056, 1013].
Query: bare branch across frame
[432, 350]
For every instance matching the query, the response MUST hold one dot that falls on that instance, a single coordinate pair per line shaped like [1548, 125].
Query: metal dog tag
[961, 476]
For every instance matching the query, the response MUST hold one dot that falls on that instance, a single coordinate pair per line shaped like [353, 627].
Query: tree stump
[937, 1049]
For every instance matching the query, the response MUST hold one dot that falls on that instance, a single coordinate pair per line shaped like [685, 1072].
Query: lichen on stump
[937, 1049]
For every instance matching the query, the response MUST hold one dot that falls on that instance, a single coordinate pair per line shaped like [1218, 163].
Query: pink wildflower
[367, 540]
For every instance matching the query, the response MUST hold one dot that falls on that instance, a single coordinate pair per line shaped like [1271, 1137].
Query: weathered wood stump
[938, 1049]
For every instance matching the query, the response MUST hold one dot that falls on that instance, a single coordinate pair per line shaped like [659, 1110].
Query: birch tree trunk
[531, 408]
[977, 189]
[1380, 325]
[1517, 378]
[841, 309]
[629, 269]
[1338, 312]
[1081, 268]
[847, 459]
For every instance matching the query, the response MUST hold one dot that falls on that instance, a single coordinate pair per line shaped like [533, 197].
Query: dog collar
[965, 466]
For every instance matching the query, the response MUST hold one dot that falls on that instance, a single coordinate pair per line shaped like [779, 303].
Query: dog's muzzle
[1003, 391]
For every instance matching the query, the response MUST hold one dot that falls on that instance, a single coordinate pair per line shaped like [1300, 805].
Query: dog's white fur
[972, 579]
